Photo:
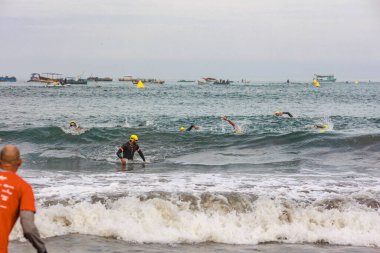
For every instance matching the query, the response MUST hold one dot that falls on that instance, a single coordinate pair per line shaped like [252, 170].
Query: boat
[72, 80]
[147, 81]
[325, 78]
[56, 84]
[99, 79]
[7, 79]
[45, 77]
[185, 81]
[207, 80]
[127, 78]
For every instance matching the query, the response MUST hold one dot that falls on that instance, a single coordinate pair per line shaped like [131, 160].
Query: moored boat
[206, 80]
[127, 78]
[148, 81]
[45, 77]
[71, 80]
[8, 79]
[99, 79]
[325, 78]
[185, 81]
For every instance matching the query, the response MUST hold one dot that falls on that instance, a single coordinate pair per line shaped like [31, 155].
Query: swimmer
[320, 126]
[73, 125]
[236, 127]
[280, 114]
[128, 150]
[182, 129]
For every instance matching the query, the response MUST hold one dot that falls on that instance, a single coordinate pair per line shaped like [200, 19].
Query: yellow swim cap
[72, 122]
[182, 129]
[325, 126]
[133, 138]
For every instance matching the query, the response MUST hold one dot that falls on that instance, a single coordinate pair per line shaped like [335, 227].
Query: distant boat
[71, 80]
[99, 79]
[45, 77]
[185, 81]
[206, 80]
[127, 78]
[7, 79]
[147, 81]
[325, 78]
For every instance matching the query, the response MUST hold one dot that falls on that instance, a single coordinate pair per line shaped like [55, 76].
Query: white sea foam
[159, 220]
[190, 207]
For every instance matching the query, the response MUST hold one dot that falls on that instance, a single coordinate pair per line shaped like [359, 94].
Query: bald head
[10, 158]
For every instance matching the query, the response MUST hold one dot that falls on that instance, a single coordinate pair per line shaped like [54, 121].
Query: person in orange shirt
[16, 200]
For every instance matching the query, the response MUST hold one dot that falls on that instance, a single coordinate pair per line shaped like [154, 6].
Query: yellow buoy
[140, 85]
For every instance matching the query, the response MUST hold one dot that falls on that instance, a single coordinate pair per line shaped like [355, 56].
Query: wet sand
[76, 243]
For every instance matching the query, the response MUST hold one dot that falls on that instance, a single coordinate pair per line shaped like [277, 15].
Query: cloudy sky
[253, 39]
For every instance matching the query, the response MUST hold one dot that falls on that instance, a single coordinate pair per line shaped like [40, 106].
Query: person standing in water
[128, 150]
[16, 200]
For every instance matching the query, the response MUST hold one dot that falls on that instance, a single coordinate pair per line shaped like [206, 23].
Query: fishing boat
[206, 80]
[99, 79]
[185, 81]
[45, 77]
[127, 78]
[72, 80]
[7, 79]
[148, 81]
[325, 78]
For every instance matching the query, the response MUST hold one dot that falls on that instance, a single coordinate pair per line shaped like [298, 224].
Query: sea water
[278, 184]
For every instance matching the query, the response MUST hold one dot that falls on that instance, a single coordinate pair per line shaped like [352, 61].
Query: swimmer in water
[236, 127]
[73, 125]
[320, 126]
[280, 114]
[195, 127]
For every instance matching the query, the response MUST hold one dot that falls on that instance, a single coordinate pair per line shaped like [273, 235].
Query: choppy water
[280, 180]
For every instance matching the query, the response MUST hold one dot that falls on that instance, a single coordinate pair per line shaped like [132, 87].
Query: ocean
[280, 185]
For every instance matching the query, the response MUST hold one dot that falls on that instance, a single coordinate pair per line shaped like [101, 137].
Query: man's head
[182, 129]
[73, 123]
[10, 158]
[133, 138]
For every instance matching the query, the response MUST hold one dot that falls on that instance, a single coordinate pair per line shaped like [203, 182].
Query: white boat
[206, 80]
[127, 78]
[325, 78]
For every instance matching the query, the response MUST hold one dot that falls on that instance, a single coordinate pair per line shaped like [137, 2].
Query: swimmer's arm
[31, 232]
[119, 153]
[141, 154]
[289, 114]
[229, 121]
[191, 127]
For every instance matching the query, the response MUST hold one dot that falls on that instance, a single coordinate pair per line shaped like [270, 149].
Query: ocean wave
[160, 217]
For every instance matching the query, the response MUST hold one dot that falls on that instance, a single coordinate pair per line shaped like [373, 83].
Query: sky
[189, 39]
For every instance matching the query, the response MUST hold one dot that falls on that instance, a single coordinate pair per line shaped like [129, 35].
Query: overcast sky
[253, 39]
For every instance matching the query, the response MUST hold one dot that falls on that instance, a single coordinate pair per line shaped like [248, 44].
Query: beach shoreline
[87, 243]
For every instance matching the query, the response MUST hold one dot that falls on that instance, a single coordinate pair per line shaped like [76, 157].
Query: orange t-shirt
[15, 195]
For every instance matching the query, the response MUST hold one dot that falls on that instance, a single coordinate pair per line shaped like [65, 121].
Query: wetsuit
[190, 128]
[128, 150]
[288, 113]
